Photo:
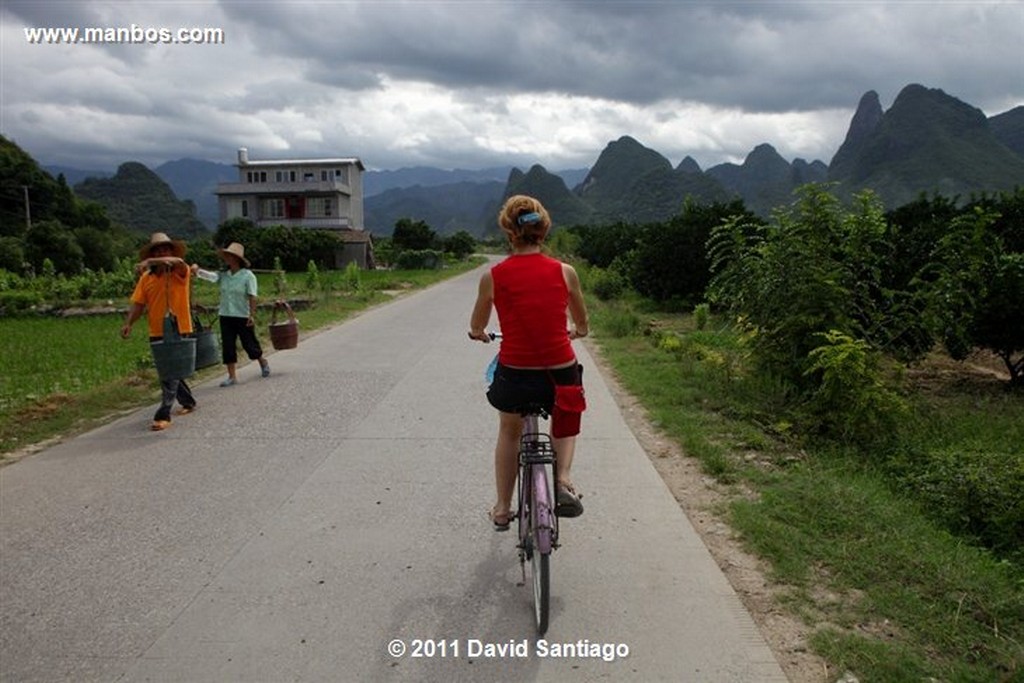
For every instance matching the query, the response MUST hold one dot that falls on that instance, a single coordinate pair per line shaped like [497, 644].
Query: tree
[670, 260]
[999, 321]
[460, 245]
[413, 236]
[815, 269]
[52, 240]
[978, 294]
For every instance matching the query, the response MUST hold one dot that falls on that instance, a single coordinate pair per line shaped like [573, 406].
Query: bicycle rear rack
[536, 449]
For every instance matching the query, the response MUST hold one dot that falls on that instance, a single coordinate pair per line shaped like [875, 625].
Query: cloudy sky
[481, 83]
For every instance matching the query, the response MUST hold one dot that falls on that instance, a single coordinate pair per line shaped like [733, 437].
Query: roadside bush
[18, 301]
[607, 284]
[852, 402]
[352, 277]
[977, 494]
[420, 259]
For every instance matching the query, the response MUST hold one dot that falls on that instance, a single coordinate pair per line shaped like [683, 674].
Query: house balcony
[298, 187]
[338, 223]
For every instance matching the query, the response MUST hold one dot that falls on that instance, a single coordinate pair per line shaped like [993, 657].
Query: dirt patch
[699, 496]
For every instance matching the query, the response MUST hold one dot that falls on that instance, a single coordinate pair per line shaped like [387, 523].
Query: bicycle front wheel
[541, 569]
[542, 516]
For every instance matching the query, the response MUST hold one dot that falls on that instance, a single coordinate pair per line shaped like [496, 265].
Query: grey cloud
[758, 57]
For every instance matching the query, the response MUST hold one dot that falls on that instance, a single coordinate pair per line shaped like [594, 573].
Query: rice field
[50, 355]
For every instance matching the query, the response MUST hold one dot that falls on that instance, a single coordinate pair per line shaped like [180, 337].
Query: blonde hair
[528, 233]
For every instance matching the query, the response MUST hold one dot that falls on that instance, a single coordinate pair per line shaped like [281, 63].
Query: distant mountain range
[927, 142]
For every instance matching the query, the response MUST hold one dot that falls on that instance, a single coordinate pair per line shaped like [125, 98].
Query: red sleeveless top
[531, 298]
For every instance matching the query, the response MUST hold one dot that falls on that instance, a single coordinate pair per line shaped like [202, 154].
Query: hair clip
[532, 217]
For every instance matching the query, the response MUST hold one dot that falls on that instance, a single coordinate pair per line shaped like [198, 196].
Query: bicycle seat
[538, 409]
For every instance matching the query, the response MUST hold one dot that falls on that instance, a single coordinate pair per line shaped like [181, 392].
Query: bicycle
[537, 523]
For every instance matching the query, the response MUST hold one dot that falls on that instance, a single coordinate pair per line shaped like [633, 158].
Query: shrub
[353, 277]
[851, 402]
[421, 259]
[980, 494]
[607, 284]
[701, 313]
[312, 277]
[13, 302]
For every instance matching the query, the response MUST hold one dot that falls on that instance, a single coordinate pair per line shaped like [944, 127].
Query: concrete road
[297, 528]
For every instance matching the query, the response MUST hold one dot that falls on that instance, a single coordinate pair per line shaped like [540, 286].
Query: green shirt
[235, 290]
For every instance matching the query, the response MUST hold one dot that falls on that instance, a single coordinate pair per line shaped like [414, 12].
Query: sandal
[567, 502]
[501, 521]
[159, 425]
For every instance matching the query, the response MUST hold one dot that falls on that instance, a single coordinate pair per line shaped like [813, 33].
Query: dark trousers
[170, 390]
[232, 329]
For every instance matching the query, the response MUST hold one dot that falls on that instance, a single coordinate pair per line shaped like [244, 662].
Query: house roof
[354, 236]
[303, 162]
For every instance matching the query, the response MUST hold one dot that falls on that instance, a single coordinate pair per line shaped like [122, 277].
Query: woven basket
[284, 334]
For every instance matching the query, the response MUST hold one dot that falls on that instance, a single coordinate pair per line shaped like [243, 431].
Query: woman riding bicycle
[531, 293]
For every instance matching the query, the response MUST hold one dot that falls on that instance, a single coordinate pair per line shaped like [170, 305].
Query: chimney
[243, 156]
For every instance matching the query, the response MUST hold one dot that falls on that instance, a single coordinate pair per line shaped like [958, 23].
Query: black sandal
[567, 501]
[501, 521]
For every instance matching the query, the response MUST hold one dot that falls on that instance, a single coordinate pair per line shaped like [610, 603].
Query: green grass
[64, 356]
[887, 589]
[63, 375]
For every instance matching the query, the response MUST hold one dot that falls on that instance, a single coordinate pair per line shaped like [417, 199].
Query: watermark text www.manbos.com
[124, 35]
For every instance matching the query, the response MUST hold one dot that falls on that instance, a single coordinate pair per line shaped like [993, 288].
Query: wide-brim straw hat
[159, 238]
[235, 249]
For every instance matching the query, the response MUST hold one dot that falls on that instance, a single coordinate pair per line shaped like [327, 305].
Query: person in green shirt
[238, 297]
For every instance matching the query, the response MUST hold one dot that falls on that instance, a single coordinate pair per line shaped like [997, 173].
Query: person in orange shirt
[165, 283]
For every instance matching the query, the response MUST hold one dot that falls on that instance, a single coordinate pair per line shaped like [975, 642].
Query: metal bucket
[174, 355]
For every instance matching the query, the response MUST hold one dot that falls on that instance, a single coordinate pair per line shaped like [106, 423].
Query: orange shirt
[153, 290]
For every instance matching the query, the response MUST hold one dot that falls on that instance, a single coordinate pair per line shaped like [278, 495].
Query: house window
[272, 208]
[323, 176]
[279, 176]
[245, 208]
[341, 174]
[291, 176]
[234, 209]
[319, 207]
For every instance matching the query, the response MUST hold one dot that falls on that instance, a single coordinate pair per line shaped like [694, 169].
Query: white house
[325, 194]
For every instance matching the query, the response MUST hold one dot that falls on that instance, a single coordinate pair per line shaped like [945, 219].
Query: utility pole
[28, 212]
